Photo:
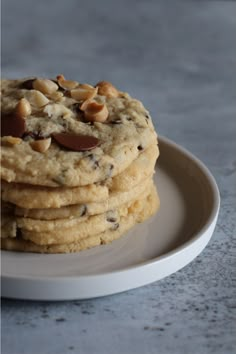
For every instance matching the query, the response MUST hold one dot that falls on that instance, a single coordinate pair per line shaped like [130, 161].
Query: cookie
[70, 229]
[139, 212]
[77, 164]
[19, 244]
[81, 229]
[32, 197]
[68, 134]
[137, 171]
[38, 197]
[115, 199]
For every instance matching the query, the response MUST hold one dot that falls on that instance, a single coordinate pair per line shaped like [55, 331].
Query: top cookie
[62, 133]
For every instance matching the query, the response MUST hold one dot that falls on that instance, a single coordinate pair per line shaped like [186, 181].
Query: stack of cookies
[77, 165]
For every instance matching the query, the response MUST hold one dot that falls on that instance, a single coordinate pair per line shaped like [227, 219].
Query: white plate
[151, 251]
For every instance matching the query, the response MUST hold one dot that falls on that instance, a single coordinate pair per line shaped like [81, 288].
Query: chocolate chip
[80, 114]
[93, 158]
[140, 147]
[27, 135]
[12, 125]
[37, 135]
[147, 118]
[110, 169]
[84, 210]
[18, 233]
[60, 180]
[66, 92]
[111, 219]
[115, 226]
[111, 216]
[76, 142]
[27, 85]
[76, 107]
[118, 121]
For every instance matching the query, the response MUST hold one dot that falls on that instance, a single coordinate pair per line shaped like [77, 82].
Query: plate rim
[211, 222]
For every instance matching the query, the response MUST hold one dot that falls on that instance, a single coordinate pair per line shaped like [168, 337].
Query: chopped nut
[81, 94]
[84, 105]
[45, 86]
[96, 112]
[105, 88]
[66, 84]
[36, 98]
[23, 108]
[41, 145]
[10, 140]
[56, 96]
[86, 86]
[60, 77]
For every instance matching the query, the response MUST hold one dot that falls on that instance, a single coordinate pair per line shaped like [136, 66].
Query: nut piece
[10, 140]
[45, 86]
[41, 145]
[23, 108]
[84, 104]
[60, 77]
[36, 98]
[56, 96]
[66, 84]
[82, 94]
[105, 88]
[86, 86]
[96, 112]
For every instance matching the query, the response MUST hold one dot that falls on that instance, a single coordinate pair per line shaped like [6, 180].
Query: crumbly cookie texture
[63, 133]
[138, 212]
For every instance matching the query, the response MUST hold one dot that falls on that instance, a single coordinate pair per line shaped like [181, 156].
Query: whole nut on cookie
[41, 145]
[105, 88]
[81, 94]
[45, 86]
[23, 108]
[96, 112]
[36, 98]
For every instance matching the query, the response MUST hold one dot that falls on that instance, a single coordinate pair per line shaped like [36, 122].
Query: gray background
[178, 57]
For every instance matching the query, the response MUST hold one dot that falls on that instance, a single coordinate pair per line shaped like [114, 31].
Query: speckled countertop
[178, 57]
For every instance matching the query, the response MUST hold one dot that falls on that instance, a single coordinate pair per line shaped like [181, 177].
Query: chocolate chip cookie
[55, 135]
[77, 164]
